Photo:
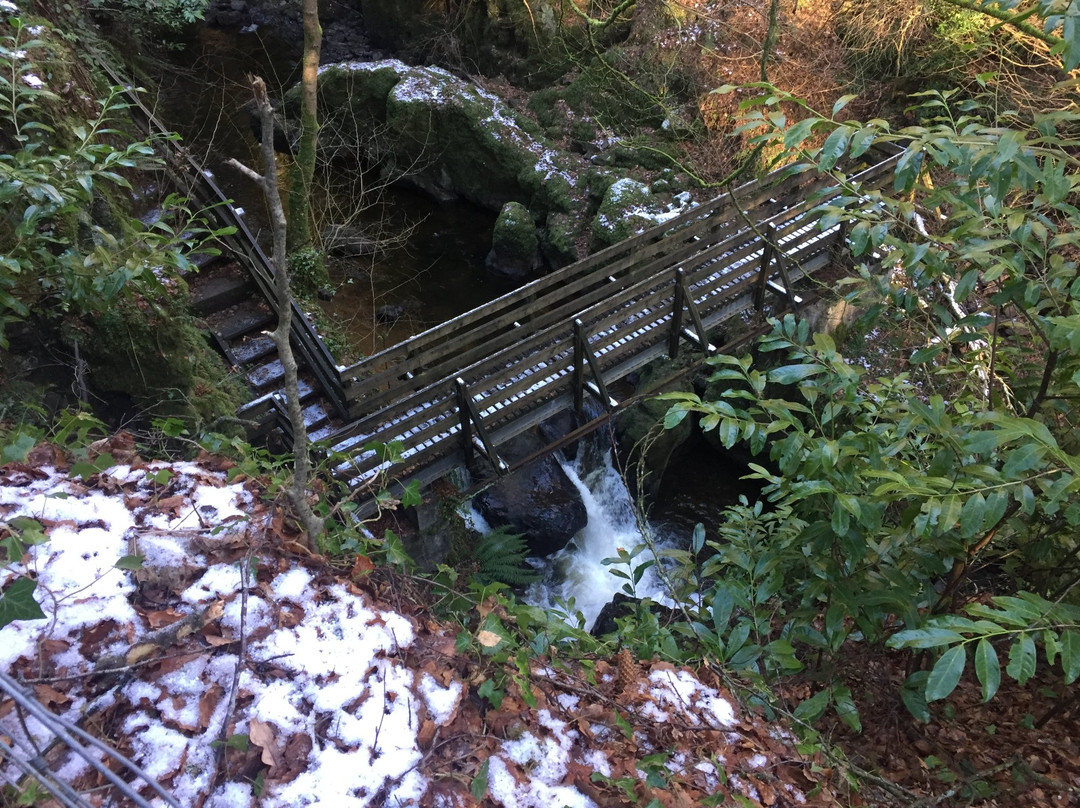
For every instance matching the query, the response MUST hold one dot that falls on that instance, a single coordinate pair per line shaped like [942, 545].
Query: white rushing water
[577, 572]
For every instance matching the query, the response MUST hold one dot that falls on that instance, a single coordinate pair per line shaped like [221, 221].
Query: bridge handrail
[430, 363]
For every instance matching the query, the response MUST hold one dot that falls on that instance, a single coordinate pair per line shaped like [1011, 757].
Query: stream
[433, 274]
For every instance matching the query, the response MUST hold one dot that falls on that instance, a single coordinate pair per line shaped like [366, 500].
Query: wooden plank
[448, 356]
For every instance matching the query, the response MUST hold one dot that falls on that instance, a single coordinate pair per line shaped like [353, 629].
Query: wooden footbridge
[456, 393]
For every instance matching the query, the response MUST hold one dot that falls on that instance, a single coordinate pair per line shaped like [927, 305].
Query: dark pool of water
[697, 486]
[434, 274]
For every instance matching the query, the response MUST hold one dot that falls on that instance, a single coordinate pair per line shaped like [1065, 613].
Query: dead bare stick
[298, 490]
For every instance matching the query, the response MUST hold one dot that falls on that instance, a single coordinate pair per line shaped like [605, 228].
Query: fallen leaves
[261, 734]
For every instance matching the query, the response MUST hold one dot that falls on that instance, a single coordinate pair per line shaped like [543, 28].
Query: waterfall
[577, 572]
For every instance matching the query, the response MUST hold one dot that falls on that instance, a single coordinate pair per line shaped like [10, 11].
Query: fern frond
[501, 556]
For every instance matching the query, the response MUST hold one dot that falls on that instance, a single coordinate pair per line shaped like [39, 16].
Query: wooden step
[265, 376]
[243, 318]
[219, 290]
[252, 348]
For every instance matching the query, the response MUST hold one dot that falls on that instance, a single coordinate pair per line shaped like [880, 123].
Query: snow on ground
[237, 675]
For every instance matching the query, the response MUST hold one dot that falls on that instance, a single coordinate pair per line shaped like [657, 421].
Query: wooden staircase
[240, 322]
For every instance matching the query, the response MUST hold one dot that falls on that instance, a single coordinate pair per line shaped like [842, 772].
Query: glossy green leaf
[923, 638]
[1022, 659]
[945, 674]
[913, 694]
[987, 668]
[845, 707]
[722, 606]
[814, 707]
[790, 374]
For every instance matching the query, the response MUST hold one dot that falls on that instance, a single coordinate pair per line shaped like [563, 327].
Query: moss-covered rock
[558, 239]
[623, 212]
[515, 252]
[151, 349]
[629, 207]
[444, 135]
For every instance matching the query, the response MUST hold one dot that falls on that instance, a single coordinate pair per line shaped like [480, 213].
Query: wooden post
[582, 354]
[766, 261]
[579, 369]
[472, 422]
[466, 422]
[839, 251]
[701, 338]
[676, 316]
[785, 278]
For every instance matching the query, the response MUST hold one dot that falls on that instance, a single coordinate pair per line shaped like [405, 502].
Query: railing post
[466, 422]
[767, 252]
[471, 422]
[579, 369]
[839, 252]
[676, 316]
[583, 354]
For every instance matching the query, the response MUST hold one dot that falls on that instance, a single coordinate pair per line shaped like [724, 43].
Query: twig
[46, 680]
[927, 802]
[245, 567]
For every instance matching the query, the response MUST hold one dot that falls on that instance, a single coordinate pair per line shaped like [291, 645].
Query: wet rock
[228, 14]
[538, 501]
[515, 254]
[390, 313]
[623, 606]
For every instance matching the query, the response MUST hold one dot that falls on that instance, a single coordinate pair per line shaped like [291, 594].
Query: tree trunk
[303, 173]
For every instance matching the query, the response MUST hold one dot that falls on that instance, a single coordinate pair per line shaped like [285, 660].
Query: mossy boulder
[515, 252]
[558, 240]
[629, 207]
[445, 135]
[150, 349]
[622, 213]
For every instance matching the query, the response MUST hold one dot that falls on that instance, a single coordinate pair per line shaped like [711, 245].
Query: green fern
[501, 557]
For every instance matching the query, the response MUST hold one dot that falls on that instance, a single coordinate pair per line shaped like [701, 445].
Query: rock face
[444, 135]
[515, 253]
[640, 429]
[538, 501]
